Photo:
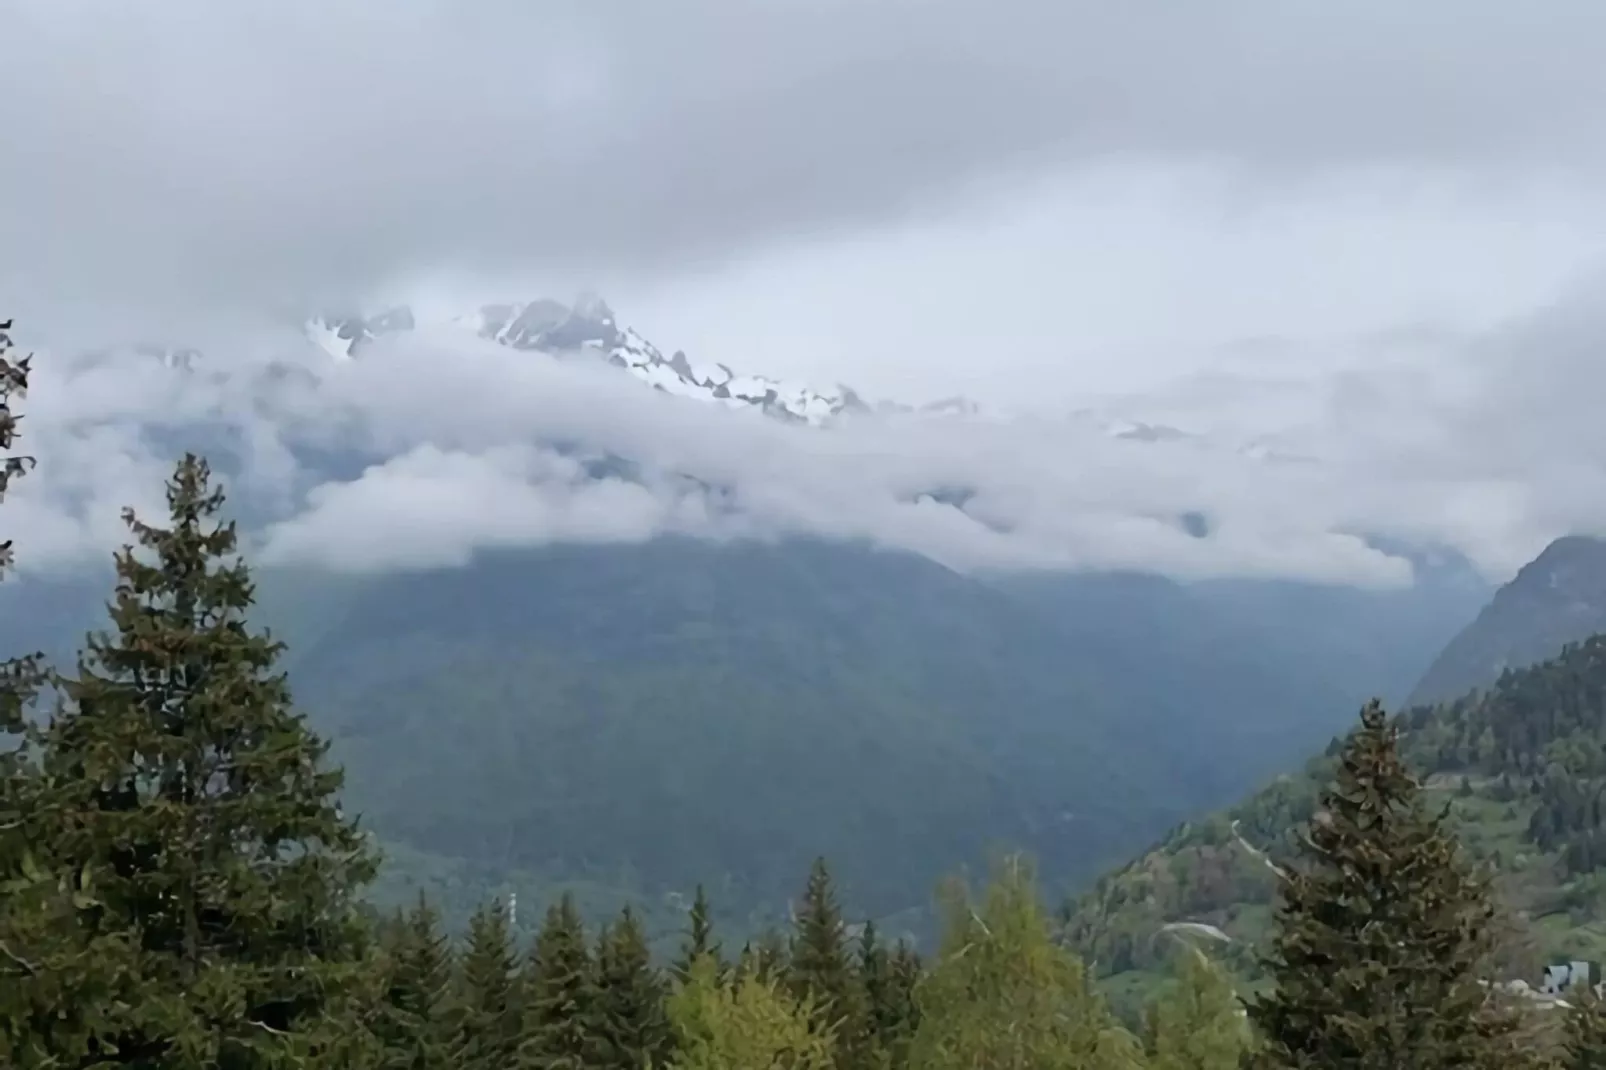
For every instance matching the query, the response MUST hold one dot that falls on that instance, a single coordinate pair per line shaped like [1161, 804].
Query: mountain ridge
[1557, 598]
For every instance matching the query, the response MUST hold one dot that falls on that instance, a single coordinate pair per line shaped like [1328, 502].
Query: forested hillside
[624, 722]
[1522, 769]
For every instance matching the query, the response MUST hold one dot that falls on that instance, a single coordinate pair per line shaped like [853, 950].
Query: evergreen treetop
[563, 1029]
[822, 970]
[195, 799]
[634, 1024]
[484, 1011]
[1383, 934]
[417, 965]
[699, 939]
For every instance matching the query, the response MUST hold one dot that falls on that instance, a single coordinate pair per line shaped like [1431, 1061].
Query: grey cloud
[462, 431]
[193, 153]
[430, 508]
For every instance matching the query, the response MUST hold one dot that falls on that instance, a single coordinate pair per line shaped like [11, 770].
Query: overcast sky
[1394, 207]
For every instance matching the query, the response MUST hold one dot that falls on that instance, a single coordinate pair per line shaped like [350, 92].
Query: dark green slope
[1556, 599]
[641, 718]
[679, 712]
[687, 712]
[1522, 765]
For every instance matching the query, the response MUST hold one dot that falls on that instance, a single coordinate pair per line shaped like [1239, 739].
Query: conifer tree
[634, 1022]
[1197, 1023]
[417, 968]
[200, 804]
[1383, 932]
[771, 957]
[905, 972]
[1003, 994]
[884, 1019]
[699, 939]
[746, 1025]
[56, 991]
[822, 969]
[746, 962]
[484, 1011]
[562, 1028]
[875, 974]
[888, 977]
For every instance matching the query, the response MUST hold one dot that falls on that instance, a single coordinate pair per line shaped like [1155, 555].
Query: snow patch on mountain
[589, 327]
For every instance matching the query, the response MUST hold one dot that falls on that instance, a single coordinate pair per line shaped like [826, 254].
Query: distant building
[1563, 976]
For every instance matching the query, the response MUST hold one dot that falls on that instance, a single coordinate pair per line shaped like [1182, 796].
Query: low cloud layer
[1035, 199]
[452, 444]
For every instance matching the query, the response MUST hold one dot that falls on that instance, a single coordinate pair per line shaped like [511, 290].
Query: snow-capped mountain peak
[589, 326]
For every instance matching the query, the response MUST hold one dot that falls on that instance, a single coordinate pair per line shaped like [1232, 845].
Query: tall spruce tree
[875, 977]
[55, 990]
[884, 1021]
[1383, 932]
[699, 939]
[417, 965]
[905, 972]
[563, 1027]
[201, 805]
[485, 1007]
[634, 1023]
[888, 976]
[822, 970]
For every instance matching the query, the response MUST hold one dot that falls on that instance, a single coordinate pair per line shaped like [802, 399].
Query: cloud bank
[436, 445]
[811, 169]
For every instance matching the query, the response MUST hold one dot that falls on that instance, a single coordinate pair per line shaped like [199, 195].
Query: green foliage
[563, 1015]
[52, 990]
[1384, 934]
[766, 956]
[1530, 749]
[771, 957]
[634, 1029]
[1198, 1023]
[822, 971]
[1002, 994]
[699, 940]
[742, 1026]
[192, 812]
[1584, 1046]
[484, 1011]
[888, 978]
[417, 967]
[724, 683]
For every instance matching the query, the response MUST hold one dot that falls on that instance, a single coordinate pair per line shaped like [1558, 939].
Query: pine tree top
[193, 797]
[1384, 931]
